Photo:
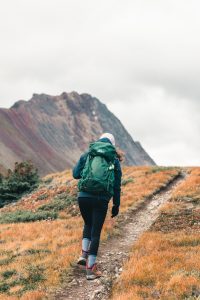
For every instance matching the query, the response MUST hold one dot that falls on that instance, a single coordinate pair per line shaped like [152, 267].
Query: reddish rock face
[53, 131]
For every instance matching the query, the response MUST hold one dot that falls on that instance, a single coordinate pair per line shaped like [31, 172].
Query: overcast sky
[141, 58]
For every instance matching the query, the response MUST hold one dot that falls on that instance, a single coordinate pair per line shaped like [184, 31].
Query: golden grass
[172, 207]
[30, 295]
[189, 188]
[54, 245]
[58, 242]
[145, 183]
[164, 265]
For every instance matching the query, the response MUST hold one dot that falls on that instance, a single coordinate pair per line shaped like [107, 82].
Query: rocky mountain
[53, 131]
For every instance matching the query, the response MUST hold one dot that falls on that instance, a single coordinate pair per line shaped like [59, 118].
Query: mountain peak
[18, 104]
[53, 131]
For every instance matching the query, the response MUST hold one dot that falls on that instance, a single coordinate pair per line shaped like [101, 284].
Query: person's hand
[115, 211]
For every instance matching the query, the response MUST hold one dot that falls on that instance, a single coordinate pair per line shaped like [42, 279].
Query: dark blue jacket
[118, 174]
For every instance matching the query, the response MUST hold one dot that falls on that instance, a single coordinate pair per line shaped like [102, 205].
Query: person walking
[99, 173]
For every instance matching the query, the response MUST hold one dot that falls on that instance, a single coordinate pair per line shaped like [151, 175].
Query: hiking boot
[82, 262]
[92, 273]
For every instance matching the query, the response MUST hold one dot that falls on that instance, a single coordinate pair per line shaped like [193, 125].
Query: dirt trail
[114, 252]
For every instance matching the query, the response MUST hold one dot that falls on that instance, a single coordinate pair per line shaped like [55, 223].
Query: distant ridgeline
[52, 131]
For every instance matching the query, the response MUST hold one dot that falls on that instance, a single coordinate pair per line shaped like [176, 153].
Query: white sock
[85, 246]
[91, 260]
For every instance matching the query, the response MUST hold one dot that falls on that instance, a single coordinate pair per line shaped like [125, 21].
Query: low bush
[4, 287]
[56, 205]
[34, 276]
[36, 251]
[48, 180]
[125, 181]
[42, 197]
[158, 169]
[24, 178]
[9, 273]
[26, 216]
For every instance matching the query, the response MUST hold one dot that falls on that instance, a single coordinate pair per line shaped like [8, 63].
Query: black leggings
[93, 211]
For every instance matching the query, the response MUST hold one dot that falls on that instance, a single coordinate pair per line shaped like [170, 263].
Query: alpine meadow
[99, 150]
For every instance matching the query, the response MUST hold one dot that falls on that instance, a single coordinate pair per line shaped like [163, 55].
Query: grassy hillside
[165, 262]
[40, 235]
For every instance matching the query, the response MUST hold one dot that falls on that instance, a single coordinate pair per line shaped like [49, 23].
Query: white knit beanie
[108, 136]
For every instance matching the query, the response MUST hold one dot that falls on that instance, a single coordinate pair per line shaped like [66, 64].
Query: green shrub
[70, 199]
[26, 216]
[48, 180]
[34, 275]
[4, 287]
[23, 179]
[42, 197]
[37, 251]
[127, 180]
[60, 202]
[9, 273]
[157, 169]
[6, 261]
[1, 178]
[56, 205]
[187, 243]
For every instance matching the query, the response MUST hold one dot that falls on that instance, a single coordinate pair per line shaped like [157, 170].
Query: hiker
[100, 174]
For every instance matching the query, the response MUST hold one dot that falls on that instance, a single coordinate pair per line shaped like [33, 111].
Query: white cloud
[136, 54]
[167, 127]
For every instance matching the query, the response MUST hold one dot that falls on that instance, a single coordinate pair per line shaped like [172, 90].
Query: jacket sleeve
[79, 166]
[117, 184]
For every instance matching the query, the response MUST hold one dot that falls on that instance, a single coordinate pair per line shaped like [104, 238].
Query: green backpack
[97, 176]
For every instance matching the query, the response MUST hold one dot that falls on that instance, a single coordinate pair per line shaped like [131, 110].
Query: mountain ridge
[53, 131]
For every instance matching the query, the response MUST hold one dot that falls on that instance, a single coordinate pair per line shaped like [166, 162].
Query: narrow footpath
[114, 252]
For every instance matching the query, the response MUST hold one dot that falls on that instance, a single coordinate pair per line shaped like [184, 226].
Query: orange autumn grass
[53, 245]
[188, 191]
[31, 295]
[165, 266]
[146, 181]
[57, 242]
[189, 188]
